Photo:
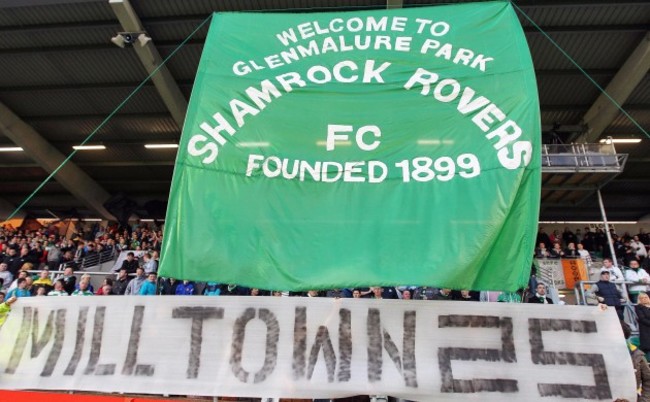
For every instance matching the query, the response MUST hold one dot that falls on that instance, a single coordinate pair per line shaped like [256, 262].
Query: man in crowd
[133, 288]
[639, 276]
[69, 280]
[148, 288]
[540, 296]
[605, 292]
[150, 265]
[122, 281]
[615, 273]
[130, 264]
[6, 276]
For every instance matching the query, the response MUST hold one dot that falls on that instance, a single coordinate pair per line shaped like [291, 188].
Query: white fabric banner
[315, 348]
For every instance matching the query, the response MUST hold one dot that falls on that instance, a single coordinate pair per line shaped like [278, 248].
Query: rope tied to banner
[110, 116]
[575, 63]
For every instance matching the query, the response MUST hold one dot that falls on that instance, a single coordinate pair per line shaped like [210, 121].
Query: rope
[110, 116]
[575, 63]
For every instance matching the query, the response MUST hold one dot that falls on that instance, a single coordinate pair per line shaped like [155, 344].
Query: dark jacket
[608, 291]
[643, 315]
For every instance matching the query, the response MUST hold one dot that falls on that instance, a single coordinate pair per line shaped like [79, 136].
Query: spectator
[542, 251]
[20, 290]
[213, 289]
[639, 276]
[615, 274]
[54, 256]
[568, 236]
[133, 288]
[13, 260]
[83, 289]
[185, 289]
[120, 284]
[5, 307]
[465, 295]
[356, 294]
[571, 251]
[377, 292]
[131, 264]
[69, 280]
[604, 291]
[641, 368]
[168, 286]
[150, 265]
[44, 280]
[148, 288]
[107, 281]
[643, 315]
[542, 237]
[406, 294]
[86, 278]
[6, 276]
[334, 293]
[425, 293]
[556, 251]
[14, 284]
[58, 289]
[639, 248]
[584, 254]
[540, 295]
[443, 294]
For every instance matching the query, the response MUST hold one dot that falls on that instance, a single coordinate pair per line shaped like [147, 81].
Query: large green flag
[387, 147]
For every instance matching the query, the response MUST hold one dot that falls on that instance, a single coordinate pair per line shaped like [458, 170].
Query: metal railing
[582, 156]
[96, 259]
[629, 313]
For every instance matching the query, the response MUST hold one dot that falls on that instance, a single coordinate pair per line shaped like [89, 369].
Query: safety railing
[582, 156]
[629, 313]
[95, 259]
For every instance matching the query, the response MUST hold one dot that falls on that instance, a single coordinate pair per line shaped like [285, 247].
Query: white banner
[315, 348]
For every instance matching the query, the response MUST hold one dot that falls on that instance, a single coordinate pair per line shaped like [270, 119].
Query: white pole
[609, 236]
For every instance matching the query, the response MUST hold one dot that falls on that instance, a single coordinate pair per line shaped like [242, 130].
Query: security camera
[123, 39]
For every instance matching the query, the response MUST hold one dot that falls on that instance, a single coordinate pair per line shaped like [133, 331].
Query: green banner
[386, 147]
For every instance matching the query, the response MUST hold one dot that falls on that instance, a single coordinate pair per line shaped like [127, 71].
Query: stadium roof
[60, 77]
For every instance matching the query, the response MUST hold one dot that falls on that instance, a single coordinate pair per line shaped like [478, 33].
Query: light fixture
[160, 146]
[88, 147]
[610, 140]
[11, 149]
[252, 144]
[123, 39]
[92, 219]
[588, 222]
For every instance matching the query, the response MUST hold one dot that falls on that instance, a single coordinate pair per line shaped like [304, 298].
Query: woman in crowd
[643, 314]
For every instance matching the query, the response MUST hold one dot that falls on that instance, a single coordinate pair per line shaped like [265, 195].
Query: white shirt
[640, 248]
[637, 276]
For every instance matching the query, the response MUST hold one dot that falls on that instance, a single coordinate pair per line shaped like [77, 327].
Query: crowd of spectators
[26, 252]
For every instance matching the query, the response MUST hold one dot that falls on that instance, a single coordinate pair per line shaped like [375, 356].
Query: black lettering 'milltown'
[130, 363]
[507, 354]
[198, 315]
[96, 347]
[52, 326]
[377, 335]
[601, 390]
[271, 352]
[323, 342]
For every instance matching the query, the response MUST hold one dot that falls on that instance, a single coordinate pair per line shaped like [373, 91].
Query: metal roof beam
[69, 176]
[97, 164]
[150, 59]
[603, 111]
